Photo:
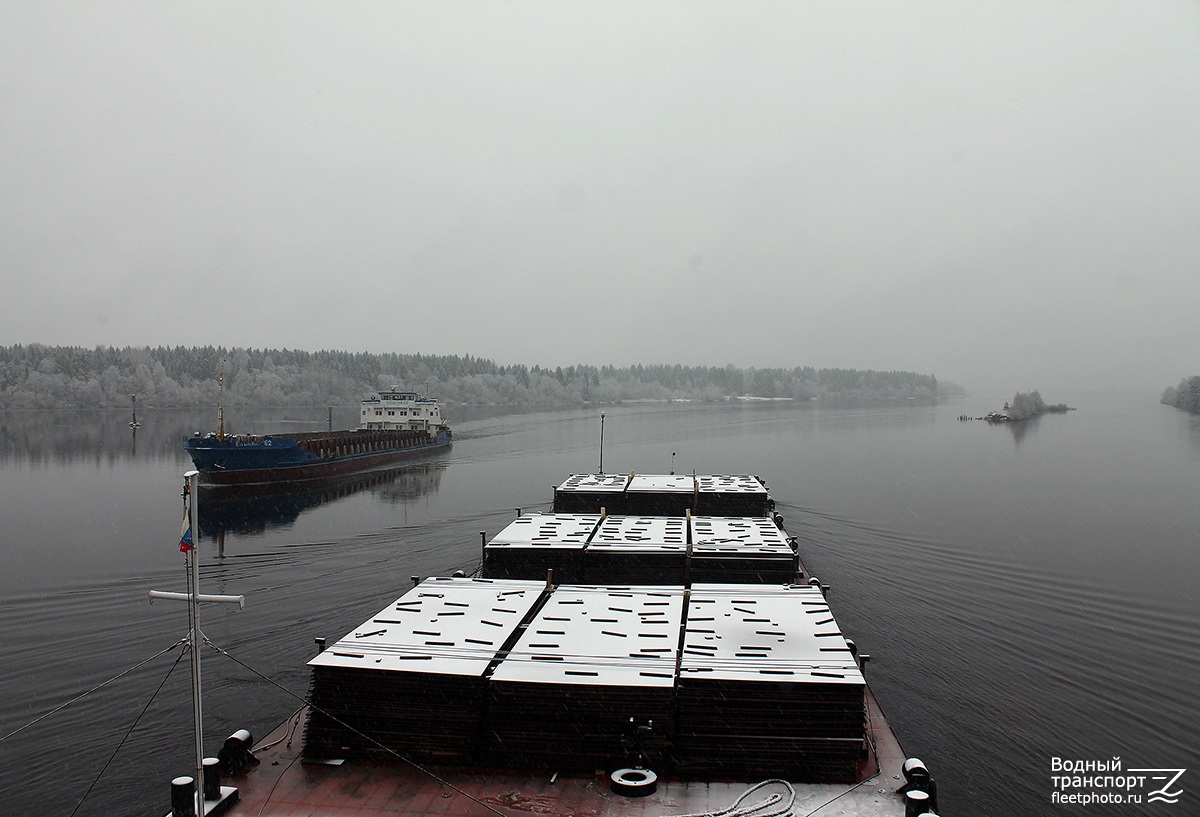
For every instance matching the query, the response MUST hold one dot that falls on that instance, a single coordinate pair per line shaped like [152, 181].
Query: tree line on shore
[1185, 396]
[35, 376]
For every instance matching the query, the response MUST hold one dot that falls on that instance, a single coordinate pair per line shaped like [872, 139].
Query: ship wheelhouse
[397, 409]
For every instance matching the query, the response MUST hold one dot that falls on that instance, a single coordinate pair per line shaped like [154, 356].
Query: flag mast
[187, 544]
[220, 405]
[193, 557]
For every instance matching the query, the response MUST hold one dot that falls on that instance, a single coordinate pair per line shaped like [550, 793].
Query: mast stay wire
[128, 732]
[96, 688]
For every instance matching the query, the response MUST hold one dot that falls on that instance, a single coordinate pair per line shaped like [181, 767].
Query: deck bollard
[916, 803]
[918, 778]
[183, 797]
[212, 779]
[235, 756]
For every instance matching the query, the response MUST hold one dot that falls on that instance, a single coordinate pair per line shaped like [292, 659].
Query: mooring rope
[293, 721]
[275, 785]
[835, 799]
[762, 808]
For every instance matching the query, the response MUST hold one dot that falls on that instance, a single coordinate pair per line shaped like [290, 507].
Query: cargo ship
[393, 424]
[651, 645]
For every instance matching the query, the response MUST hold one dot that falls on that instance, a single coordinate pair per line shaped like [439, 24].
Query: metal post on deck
[193, 557]
[195, 638]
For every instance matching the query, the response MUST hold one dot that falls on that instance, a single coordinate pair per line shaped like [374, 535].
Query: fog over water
[1001, 194]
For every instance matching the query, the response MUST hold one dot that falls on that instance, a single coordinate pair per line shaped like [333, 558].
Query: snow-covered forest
[37, 376]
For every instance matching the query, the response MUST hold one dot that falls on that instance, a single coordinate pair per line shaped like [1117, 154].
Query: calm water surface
[1026, 592]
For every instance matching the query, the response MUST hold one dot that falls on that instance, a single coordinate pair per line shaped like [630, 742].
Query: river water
[1026, 592]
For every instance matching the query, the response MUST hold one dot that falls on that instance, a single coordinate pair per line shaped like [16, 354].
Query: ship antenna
[221, 403]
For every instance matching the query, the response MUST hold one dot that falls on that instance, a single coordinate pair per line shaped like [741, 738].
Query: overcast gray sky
[1004, 194]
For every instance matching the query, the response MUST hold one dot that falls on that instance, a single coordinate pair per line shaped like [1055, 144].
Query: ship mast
[195, 638]
[221, 403]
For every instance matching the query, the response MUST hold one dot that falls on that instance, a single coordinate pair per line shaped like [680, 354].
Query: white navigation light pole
[188, 541]
[602, 442]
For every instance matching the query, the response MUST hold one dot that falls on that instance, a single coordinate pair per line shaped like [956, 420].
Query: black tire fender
[634, 782]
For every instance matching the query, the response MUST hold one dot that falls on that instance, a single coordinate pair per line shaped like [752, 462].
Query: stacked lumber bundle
[537, 542]
[740, 550]
[664, 495]
[638, 550]
[510, 674]
[594, 665]
[412, 678]
[767, 685]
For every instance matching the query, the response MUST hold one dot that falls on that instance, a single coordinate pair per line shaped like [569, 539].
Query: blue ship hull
[304, 460]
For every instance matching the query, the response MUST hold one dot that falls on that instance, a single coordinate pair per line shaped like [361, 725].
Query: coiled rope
[768, 807]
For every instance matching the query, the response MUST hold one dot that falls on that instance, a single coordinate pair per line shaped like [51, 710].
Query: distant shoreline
[46, 377]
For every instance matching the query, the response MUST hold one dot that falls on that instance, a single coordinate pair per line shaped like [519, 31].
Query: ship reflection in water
[251, 511]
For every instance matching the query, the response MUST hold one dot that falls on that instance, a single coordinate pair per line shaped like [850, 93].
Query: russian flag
[185, 536]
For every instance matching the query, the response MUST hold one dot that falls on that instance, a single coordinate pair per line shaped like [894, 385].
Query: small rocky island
[1024, 405]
